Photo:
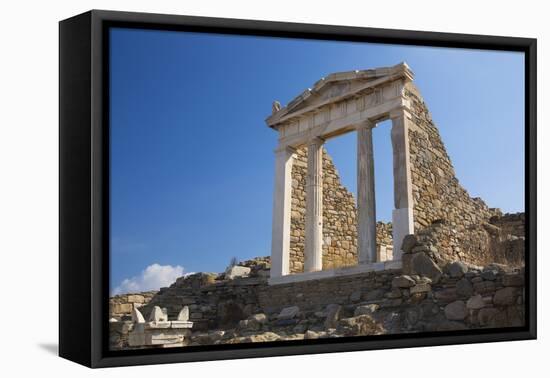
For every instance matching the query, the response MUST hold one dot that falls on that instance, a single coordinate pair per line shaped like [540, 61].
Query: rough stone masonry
[462, 267]
[437, 197]
[339, 218]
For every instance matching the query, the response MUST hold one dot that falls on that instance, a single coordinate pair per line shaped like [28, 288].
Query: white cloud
[153, 277]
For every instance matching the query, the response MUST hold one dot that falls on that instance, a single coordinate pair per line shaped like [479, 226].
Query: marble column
[280, 239]
[366, 205]
[402, 216]
[314, 206]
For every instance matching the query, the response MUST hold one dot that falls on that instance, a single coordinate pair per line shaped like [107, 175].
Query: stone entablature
[339, 101]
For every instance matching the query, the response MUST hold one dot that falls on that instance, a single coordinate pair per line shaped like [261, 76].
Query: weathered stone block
[409, 242]
[258, 318]
[422, 265]
[484, 287]
[505, 297]
[456, 310]
[366, 309]
[475, 303]
[446, 295]
[358, 325]
[489, 275]
[512, 279]
[402, 281]
[464, 288]
[288, 313]
[457, 269]
[122, 308]
[420, 288]
[136, 298]
[236, 271]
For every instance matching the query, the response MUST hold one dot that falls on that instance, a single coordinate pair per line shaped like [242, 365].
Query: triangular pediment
[336, 87]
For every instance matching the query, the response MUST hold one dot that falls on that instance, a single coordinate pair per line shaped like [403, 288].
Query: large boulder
[409, 242]
[489, 274]
[419, 263]
[402, 282]
[158, 315]
[456, 310]
[421, 288]
[464, 288]
[475, 303]
[457, 269]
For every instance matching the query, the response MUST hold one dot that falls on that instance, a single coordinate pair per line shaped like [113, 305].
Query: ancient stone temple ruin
[446, 261]
[341, 103]
[425, 187]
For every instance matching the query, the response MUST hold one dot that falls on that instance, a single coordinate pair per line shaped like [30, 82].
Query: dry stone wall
[384, 241]
[420, 297]
[510, 224]
[437, 192]
[438, 196]
[339, 218]
[442, 207]
[123, 304]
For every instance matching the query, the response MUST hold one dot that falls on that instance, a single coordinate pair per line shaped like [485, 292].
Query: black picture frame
[84, 183]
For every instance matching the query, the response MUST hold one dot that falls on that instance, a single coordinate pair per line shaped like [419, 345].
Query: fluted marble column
[314, 206]
[402, 216]
[366, 205]
[280, 239]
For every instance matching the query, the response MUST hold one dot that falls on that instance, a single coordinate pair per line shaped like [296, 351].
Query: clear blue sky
[192, 159]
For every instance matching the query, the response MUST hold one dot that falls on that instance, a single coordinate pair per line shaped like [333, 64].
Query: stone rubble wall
[437, 194]
[212, 302]
[123, 304]
[420, 297]
[339, 217]
[442, 207]
[510, 224]
[384, 241]
[481, 244]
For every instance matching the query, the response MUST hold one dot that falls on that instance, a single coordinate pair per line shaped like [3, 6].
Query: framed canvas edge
[98, 249]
